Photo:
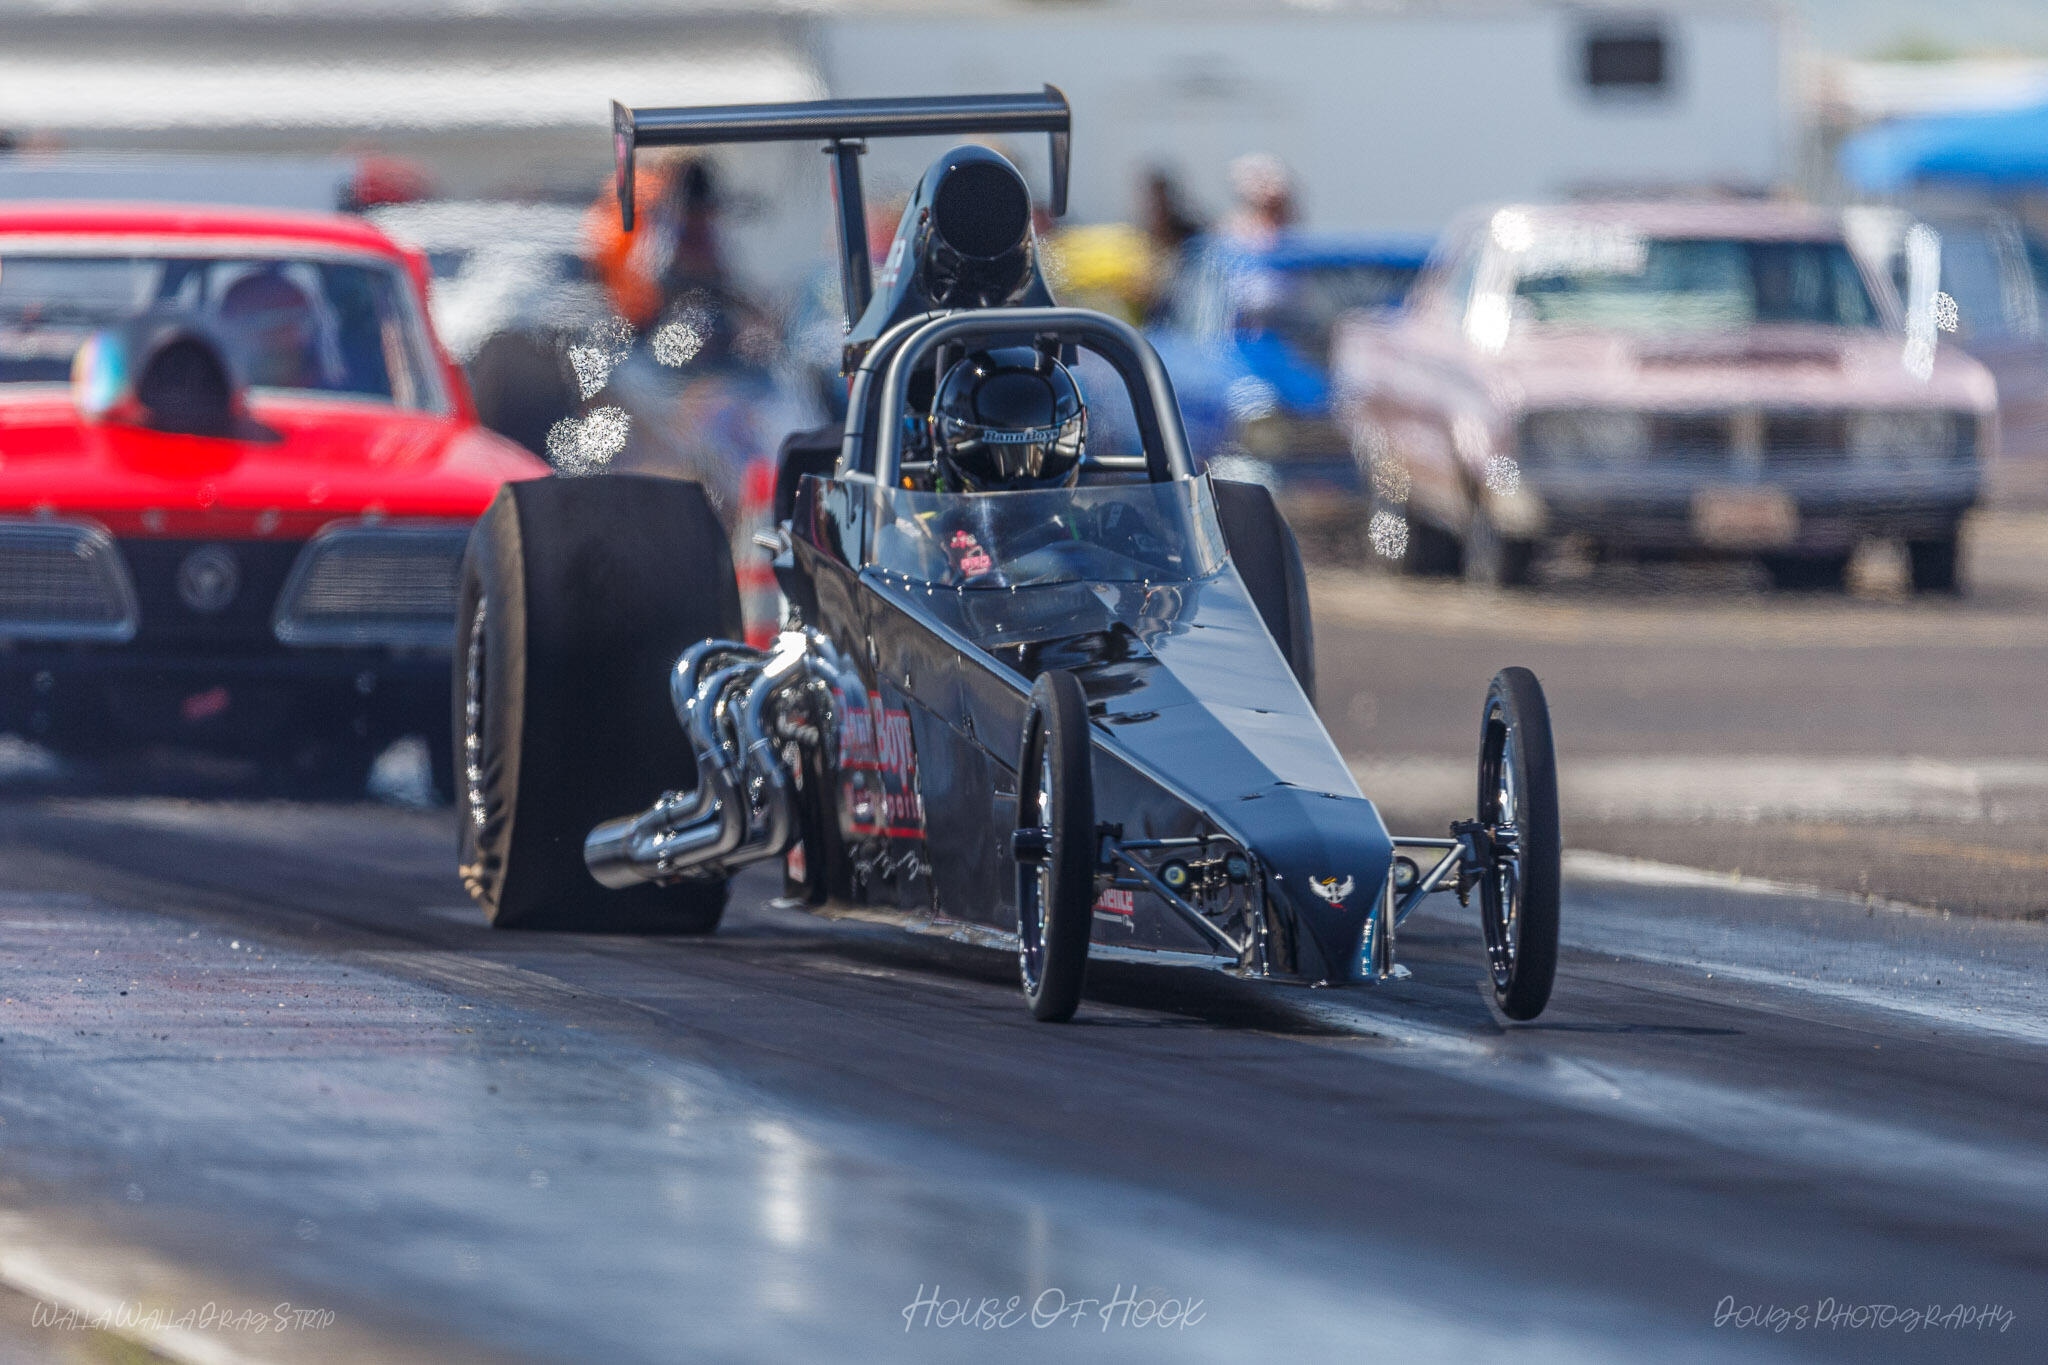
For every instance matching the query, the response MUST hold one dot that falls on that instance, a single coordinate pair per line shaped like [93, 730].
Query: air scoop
[164, 372]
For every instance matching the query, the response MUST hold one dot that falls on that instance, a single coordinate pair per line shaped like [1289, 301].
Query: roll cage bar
[873, 445]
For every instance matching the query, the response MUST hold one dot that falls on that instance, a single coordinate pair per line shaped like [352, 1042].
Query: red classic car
[237, 473]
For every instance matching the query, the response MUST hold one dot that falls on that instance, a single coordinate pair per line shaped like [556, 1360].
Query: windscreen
[1988, 279]
[1301, 303]
[322, 326]
[1126, 533]
[1681, 285]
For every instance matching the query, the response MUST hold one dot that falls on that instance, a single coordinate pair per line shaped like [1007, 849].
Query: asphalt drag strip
[328, 1080]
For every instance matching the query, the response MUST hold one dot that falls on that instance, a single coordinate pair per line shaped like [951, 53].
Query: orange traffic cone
[760, 596]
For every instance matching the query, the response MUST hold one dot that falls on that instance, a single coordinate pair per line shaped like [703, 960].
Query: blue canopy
[2008, 149]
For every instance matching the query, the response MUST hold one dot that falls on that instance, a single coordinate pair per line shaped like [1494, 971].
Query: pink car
[1661, 379]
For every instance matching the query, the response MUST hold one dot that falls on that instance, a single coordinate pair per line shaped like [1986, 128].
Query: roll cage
[872, 448]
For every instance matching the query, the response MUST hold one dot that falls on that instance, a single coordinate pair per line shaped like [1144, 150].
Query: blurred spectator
[1170, 224]
[1265, 205]
[1109, 267]
[884, 216]
[696, 258]
[1124, 269]
[674, 248]
[1164, 213]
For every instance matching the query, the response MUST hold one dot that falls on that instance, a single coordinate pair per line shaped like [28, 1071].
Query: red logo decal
[968, 554]
[1116, 902]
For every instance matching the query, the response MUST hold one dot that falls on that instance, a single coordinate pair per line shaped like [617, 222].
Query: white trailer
[1391, 117]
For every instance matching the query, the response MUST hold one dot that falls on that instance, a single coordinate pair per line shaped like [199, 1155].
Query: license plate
[1744, 518]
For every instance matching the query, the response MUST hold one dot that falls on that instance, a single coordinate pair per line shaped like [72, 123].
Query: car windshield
[1627, 283]
[1125, 533]
[1301, 303]
[324, 326]
[1986, 272]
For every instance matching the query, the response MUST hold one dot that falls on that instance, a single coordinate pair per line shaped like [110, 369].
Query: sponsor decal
[1114, 901]
[892, 265]
[878, 769]
[968, 554]
[1332, 890]
[1019, 436]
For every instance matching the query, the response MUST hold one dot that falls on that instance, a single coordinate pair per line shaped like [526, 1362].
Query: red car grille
[374, 584]
[63, 581]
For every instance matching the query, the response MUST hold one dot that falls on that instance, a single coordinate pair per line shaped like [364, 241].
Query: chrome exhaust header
[743, 709]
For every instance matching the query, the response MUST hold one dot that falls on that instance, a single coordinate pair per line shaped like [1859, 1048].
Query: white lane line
[1987, 998]
[1747, 788]
[1972, 1019]
[1084, 1229]
[25, 1270]
[1585, 864]
[1774, 1125]
[1774, 930]
[1748, 623]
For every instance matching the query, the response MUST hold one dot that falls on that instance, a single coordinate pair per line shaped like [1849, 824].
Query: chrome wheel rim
[473, 717]
[1034, 884]
[1500, 890]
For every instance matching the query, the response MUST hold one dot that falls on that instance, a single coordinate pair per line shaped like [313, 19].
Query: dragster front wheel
[1054, 847]
[1522, 848]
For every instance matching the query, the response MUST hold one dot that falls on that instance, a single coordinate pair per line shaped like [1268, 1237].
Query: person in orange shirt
[675, 246]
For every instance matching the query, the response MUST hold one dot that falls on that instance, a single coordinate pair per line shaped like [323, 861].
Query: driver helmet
[272, 324]
[1007, 420]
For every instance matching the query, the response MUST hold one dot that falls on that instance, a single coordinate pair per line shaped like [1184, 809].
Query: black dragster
[1070, 721]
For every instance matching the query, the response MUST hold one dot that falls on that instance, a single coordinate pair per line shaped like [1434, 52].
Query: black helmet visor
[1003, 455]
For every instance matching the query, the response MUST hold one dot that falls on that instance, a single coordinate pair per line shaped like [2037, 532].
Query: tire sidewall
[1267, 557]
[1516, 699]
[493, 573]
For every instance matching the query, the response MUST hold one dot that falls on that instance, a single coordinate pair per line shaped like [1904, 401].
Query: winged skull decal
[1332, 890]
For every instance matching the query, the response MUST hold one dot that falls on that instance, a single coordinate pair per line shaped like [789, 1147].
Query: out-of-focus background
[1695, 352]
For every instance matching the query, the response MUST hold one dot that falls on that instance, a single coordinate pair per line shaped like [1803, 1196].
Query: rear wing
[843, 127]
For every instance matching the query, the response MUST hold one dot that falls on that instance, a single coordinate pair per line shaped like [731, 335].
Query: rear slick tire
[1056, 896]
[1268, 561]
[576, 597]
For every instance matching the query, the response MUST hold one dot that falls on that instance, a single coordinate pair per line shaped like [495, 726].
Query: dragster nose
[1326, 858]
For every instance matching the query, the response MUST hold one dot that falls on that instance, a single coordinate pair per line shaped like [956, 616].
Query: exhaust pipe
[738, 705]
